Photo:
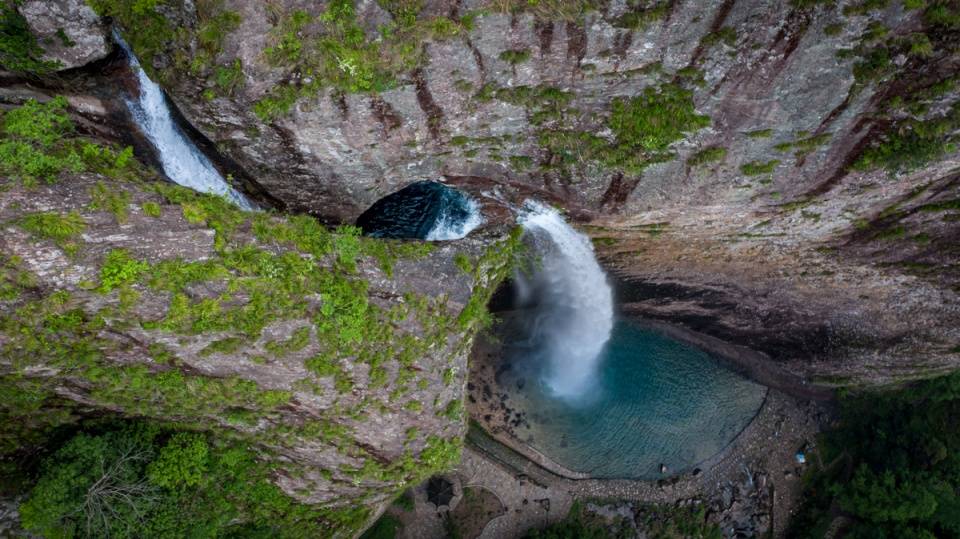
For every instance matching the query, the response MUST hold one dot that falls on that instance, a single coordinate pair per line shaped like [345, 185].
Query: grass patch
[707, 155]
[756, 168]
[515, 56]
[62, 229]
[643, 129]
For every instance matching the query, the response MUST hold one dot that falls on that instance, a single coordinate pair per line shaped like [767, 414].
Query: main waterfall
[181, 160]
[570, 300]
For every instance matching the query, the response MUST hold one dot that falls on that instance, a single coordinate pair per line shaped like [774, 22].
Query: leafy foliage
[756, 168]
[38, 142]
[140, 480]
[120, 269]
[913, 143]
[385, 528]
[893, 465]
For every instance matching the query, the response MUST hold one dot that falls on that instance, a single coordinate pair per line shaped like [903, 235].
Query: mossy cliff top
[341, 355]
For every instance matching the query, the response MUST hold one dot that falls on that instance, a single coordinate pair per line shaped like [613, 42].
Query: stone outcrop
[343, 357]
[69, 31]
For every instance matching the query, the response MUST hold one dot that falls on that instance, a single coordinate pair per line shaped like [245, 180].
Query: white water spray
[450, 226]
[574, 310]
[181, 160]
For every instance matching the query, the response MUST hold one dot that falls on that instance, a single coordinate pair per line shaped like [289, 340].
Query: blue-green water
[656, 401]
[425, 210]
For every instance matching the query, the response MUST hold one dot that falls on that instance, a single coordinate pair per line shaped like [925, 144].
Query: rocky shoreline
[751, 484]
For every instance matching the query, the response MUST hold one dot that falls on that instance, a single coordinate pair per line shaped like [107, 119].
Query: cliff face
[340, 356]
[782, 176]
[779, 174]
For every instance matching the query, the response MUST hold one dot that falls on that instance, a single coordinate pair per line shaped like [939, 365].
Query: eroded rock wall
[340, 357]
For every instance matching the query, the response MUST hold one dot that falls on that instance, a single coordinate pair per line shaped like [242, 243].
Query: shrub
[59, 228]
[120, 269]
[890, 465]
[141, 480]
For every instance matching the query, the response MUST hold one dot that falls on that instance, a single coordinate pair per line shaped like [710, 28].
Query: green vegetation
[38, 142]
[385, 528]
[32, 148]
[276, 269]
[112, 200]
[707, 155]
[913, 143]
[297, 341]
[514, 57]
[755, 168]
[565, 10]
[644, 14]
[61, 229]
[341, 56]
[151, 209]
[137, 480]
[644, 127]
[405, 501]
[120, 269]
[150, 33]
[892, 465]
[19, 51]
[760, 133]
[725, 35]
[804, 144]
[833, 30]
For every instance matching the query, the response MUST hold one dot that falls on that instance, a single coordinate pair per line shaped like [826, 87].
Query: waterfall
[181, 160]
[571, 302]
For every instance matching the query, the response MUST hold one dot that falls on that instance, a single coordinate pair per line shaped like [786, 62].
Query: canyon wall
[787, 171]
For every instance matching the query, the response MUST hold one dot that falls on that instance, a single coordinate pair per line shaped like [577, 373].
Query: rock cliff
[782, 176]
[793, 155]
[339, 356]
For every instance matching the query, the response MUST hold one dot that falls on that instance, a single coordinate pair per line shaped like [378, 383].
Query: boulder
[68, 30]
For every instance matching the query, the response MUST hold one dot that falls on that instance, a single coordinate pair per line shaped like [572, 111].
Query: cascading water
[181, 160]
[572, 303]
[456, 222]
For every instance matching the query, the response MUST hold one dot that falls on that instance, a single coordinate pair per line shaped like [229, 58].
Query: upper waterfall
[181, 160]
[572, 302]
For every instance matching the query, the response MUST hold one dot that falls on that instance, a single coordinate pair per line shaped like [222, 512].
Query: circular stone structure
[659, 407]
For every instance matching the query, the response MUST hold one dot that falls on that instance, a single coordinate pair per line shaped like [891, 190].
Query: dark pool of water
[414, 211]
[656, 401]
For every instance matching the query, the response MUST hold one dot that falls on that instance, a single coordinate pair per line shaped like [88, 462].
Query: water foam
[573, 302]
[451, 224]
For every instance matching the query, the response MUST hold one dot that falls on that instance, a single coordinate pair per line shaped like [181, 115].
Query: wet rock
[68, 31]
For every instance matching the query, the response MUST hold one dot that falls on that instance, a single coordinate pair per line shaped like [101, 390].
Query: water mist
[568, 301]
